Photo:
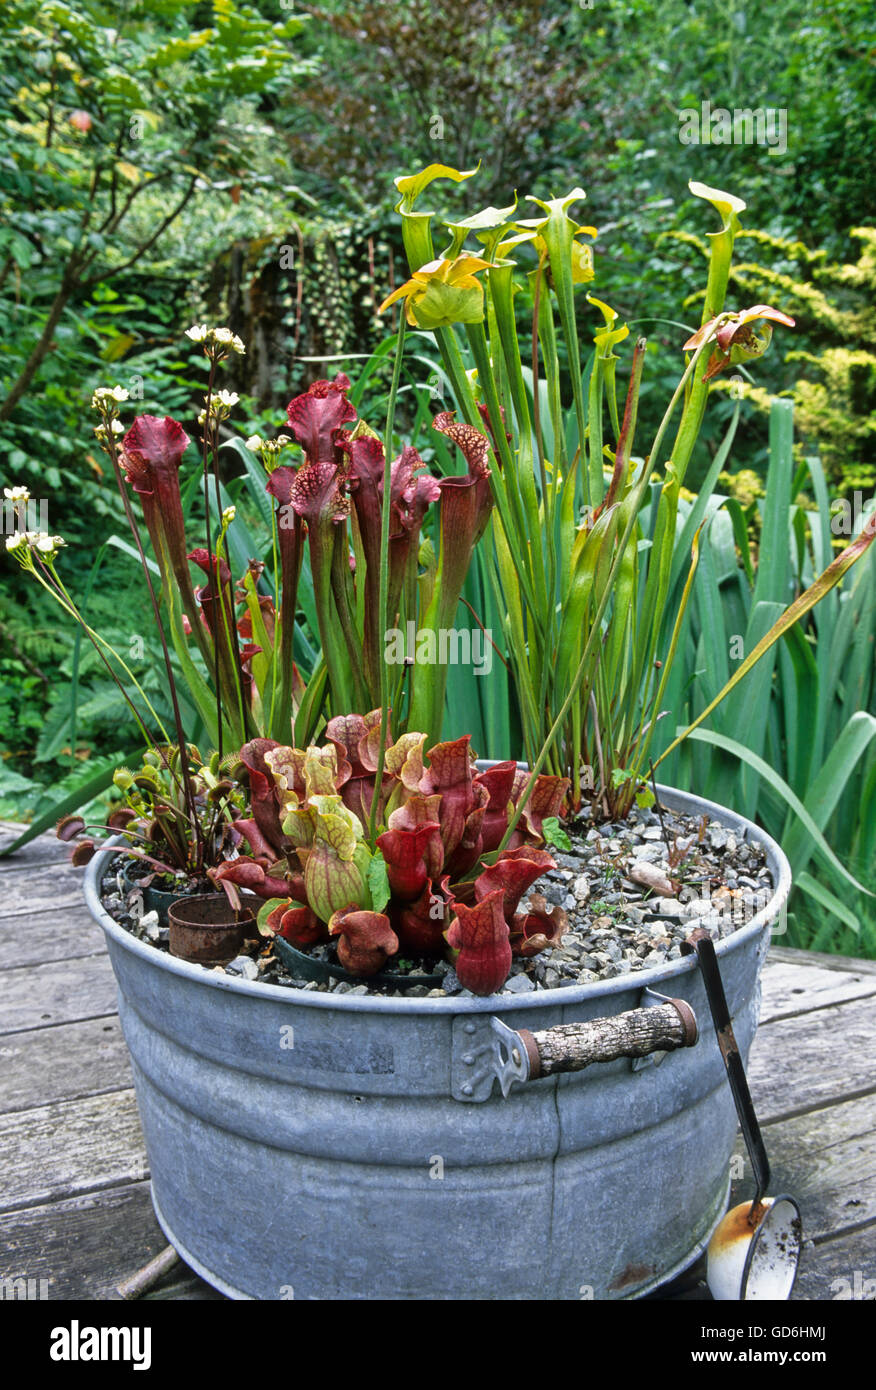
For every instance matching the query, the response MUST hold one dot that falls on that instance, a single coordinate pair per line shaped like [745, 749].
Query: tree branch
[108, 274]
[69, 282]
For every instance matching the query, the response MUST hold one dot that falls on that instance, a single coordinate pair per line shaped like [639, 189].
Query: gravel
[243, 965]
[616, 923]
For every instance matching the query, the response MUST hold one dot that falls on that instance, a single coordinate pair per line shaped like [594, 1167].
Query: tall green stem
[596, 625]
[384, 571]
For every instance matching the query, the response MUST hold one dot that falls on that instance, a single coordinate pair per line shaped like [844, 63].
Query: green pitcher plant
[588, 557]
[430, 884]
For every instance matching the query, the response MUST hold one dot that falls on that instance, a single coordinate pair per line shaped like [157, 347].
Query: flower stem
[171, 683]
[204, 464]
[384, 572]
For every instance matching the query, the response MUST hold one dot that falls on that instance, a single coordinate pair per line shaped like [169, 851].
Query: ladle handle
[701, 943]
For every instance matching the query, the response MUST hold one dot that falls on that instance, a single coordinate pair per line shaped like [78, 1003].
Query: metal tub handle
[486, 1050]
[573, 1046]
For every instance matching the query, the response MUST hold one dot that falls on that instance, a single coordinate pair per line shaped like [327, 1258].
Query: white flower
[48, 545]
[21, 543]
[108, 393]
[227, 398]
[115, 427]
[254, 443]
[225, 338]
[215, 338]
[17, 494]
[283, 439]
[228, 515]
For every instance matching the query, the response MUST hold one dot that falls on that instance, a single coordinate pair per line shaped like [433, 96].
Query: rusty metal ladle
[755, 1250]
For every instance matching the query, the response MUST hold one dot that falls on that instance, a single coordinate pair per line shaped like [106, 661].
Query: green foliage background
[158, 159]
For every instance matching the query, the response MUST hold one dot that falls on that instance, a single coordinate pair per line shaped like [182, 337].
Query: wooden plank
[64, 1063]
[791, 955]
[41, 889]
[68, 1147]
[826, 1160]
[843, 1269]
[85, 1246]
[814, 1060]
[43, 849]
[57, 992]
[35, 940]
[792, 990]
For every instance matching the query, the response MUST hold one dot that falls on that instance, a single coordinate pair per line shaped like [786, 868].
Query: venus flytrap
[154, 821]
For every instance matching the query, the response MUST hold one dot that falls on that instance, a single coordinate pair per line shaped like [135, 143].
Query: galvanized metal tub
[310, 1145]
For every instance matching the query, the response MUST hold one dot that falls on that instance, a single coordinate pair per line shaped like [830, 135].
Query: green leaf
[823, 896]
[827, 788]
[378, 882]
[264, 912]
[411, 185]
[705, 504]
[769, 774]
[15, 792]
[117, 347]
[256, 478]
[798, 609]
[554, 834]
[128, 549]
[175, 50]
[485, 221]
[95, 777]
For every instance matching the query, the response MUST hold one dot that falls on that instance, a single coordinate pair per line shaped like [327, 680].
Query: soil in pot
[159, 890]
[631, 890]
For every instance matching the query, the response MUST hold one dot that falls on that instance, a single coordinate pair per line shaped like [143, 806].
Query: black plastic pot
[154, 899]
[306, 967]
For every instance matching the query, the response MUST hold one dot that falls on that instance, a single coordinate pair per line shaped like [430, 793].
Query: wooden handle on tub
[573, 1046]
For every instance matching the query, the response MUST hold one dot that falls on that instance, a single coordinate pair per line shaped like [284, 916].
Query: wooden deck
[74, 1195]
